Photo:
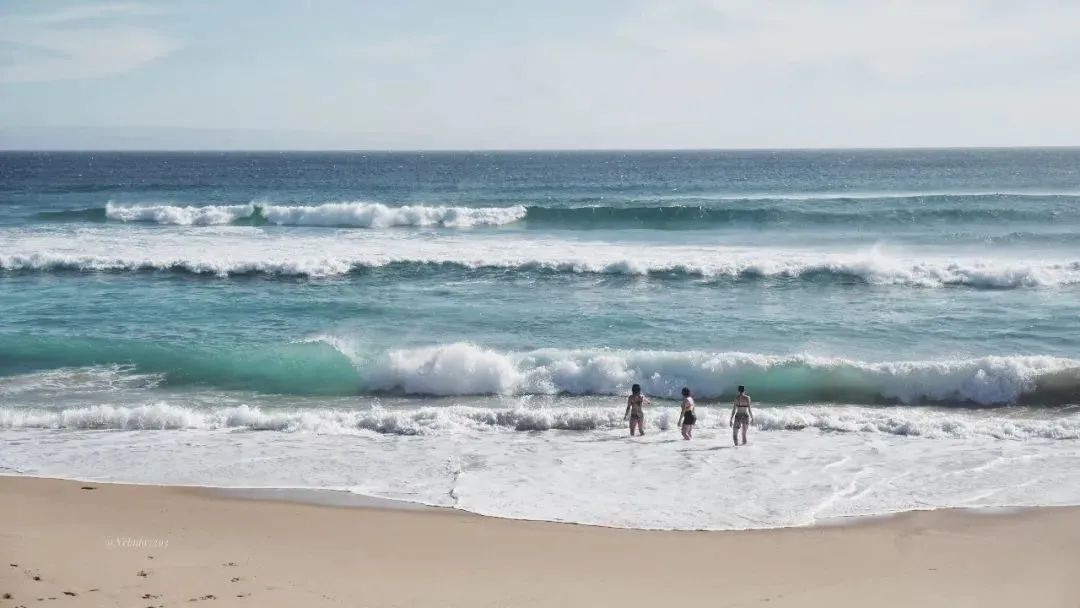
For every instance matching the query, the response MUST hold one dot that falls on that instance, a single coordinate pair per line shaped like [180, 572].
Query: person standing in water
[741, 416]
[635, 411]
[687, 417]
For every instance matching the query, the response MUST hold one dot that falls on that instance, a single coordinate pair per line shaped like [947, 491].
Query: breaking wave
[464, 369]
[346, 214]
[690, 213]
[464, 419]
[868, 269]
[324, 366]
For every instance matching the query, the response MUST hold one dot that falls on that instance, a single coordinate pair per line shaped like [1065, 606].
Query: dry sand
[138, 546]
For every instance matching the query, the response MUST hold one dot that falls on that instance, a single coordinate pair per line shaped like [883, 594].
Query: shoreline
[127, 544]
[335, 498]
[347, 500]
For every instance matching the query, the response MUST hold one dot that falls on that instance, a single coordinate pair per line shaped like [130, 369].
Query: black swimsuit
[689, 418]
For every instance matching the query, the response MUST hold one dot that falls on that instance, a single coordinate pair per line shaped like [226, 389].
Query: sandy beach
[90, 544]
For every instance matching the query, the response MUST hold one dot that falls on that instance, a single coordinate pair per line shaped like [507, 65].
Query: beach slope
[90, 544]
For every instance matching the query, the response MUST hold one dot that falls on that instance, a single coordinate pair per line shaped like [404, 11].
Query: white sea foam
[557, 458]
[465, 369]
[178, 215]
[376, 215]
[77, 380]
[803, 464]
[449, 420]
[355, 214]
[244, 250]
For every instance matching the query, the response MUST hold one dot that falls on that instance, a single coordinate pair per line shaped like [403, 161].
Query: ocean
[461, 328]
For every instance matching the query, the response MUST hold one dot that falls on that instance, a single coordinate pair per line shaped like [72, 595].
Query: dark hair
[742, 389]
[635, 389]
[685, 392]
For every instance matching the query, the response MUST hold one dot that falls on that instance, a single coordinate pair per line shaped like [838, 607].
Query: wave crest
[450, 420]
[350, 214]
[869, 269]
[325, 366]
[462, 369]
[686, 213]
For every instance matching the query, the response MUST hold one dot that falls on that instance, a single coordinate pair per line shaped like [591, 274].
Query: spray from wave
[458, 419]
[322, 367]
[685, 213]
[462, 369]
[871, 267]
[345, 214]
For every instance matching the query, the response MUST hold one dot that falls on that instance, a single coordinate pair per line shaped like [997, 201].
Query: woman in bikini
[687, 417]
[741, 416]
[635, 412]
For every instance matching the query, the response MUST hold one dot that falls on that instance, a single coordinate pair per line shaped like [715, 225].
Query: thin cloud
[84, 41]
[405, 48]
[82, 12]
[908, 43]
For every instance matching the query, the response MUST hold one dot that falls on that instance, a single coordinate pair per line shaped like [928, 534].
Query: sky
[566, 74]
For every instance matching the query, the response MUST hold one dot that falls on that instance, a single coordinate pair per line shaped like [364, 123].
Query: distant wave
[231, 251]
[705, 217]
[928, 273]
[355, 214]
[883, 195]
[685, 214]
[184, 216]
[798, 211]
[325, 367]
[449, 420]
[89, 214]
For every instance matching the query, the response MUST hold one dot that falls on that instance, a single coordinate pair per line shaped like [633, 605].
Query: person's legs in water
[741, 420]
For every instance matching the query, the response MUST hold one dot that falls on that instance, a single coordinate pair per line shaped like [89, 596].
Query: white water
[357, 214]
[226, 250]
[543, 457]
[601, 477]
[465, 369]
[451, 420]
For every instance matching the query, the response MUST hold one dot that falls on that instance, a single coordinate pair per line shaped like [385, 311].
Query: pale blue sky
[552, 74]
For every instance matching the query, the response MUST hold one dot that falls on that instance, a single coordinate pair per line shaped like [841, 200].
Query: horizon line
[534, 150]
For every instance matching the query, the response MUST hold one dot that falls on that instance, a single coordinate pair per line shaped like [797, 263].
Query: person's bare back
[635, 410]
[741, 416]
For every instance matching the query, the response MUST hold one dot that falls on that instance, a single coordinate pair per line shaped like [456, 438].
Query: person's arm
[750, 410]
[731, 421]
[682, 412]
[627, 414]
